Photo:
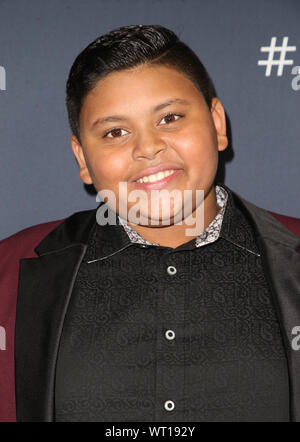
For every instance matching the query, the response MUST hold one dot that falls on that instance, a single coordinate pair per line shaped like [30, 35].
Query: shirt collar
[230, 224]
[210, 234]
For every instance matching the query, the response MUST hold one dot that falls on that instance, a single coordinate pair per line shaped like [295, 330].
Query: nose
[148, 145]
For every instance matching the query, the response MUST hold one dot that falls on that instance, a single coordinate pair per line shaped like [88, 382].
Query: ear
[78, 152]
[218, 115]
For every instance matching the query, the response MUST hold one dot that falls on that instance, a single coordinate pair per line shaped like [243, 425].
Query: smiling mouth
[158, 183]
[154, 178]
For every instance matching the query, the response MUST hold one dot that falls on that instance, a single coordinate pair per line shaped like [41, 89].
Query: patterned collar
[232, 224]
[210, 235]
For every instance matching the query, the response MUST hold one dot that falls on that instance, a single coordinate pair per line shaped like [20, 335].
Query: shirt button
[170, 334]
[169, 405]
[171, 270]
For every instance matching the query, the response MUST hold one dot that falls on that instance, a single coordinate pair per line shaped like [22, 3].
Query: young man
[139, 319]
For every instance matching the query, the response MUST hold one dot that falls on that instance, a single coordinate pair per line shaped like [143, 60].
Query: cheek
[198, 149]
[197, 144]
[109, 170]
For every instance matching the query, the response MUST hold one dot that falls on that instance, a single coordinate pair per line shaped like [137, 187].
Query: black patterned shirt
[210, 234]
[161, 334]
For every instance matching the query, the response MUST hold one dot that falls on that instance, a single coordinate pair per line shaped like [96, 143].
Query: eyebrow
[114, 118]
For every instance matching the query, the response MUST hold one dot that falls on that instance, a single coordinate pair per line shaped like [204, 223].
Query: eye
[115, 130]
[169, 117]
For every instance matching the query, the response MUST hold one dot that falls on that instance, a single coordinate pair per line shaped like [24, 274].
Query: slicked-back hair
[125, 48]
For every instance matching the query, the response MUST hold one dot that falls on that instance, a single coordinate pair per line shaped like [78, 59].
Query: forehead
[142, 87]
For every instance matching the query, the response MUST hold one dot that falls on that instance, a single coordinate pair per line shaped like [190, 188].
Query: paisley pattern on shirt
[210, 234]
[226, 361]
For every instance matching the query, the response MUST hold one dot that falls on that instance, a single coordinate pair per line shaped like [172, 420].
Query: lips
[156, 169]
[157, 185]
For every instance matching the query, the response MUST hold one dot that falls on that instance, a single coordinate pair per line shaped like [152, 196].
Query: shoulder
[291, 223]
[21, 244]
[262, 216]
[13, 248]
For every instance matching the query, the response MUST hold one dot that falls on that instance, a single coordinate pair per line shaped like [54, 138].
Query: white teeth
[156, 177]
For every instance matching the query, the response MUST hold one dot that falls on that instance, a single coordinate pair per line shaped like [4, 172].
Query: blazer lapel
[44, 291]
[283, 266]
[281, 261]
[45, 287]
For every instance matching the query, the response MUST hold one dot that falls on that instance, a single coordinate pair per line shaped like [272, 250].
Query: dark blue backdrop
[39, 41]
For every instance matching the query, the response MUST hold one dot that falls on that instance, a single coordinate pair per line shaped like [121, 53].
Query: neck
[175, 234]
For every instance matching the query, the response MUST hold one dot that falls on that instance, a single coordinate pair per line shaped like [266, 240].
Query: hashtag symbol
[282, 61]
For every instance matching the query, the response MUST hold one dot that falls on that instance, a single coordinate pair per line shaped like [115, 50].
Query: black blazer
[45, 287]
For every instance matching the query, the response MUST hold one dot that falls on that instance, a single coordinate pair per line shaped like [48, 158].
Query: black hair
[127, 47]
